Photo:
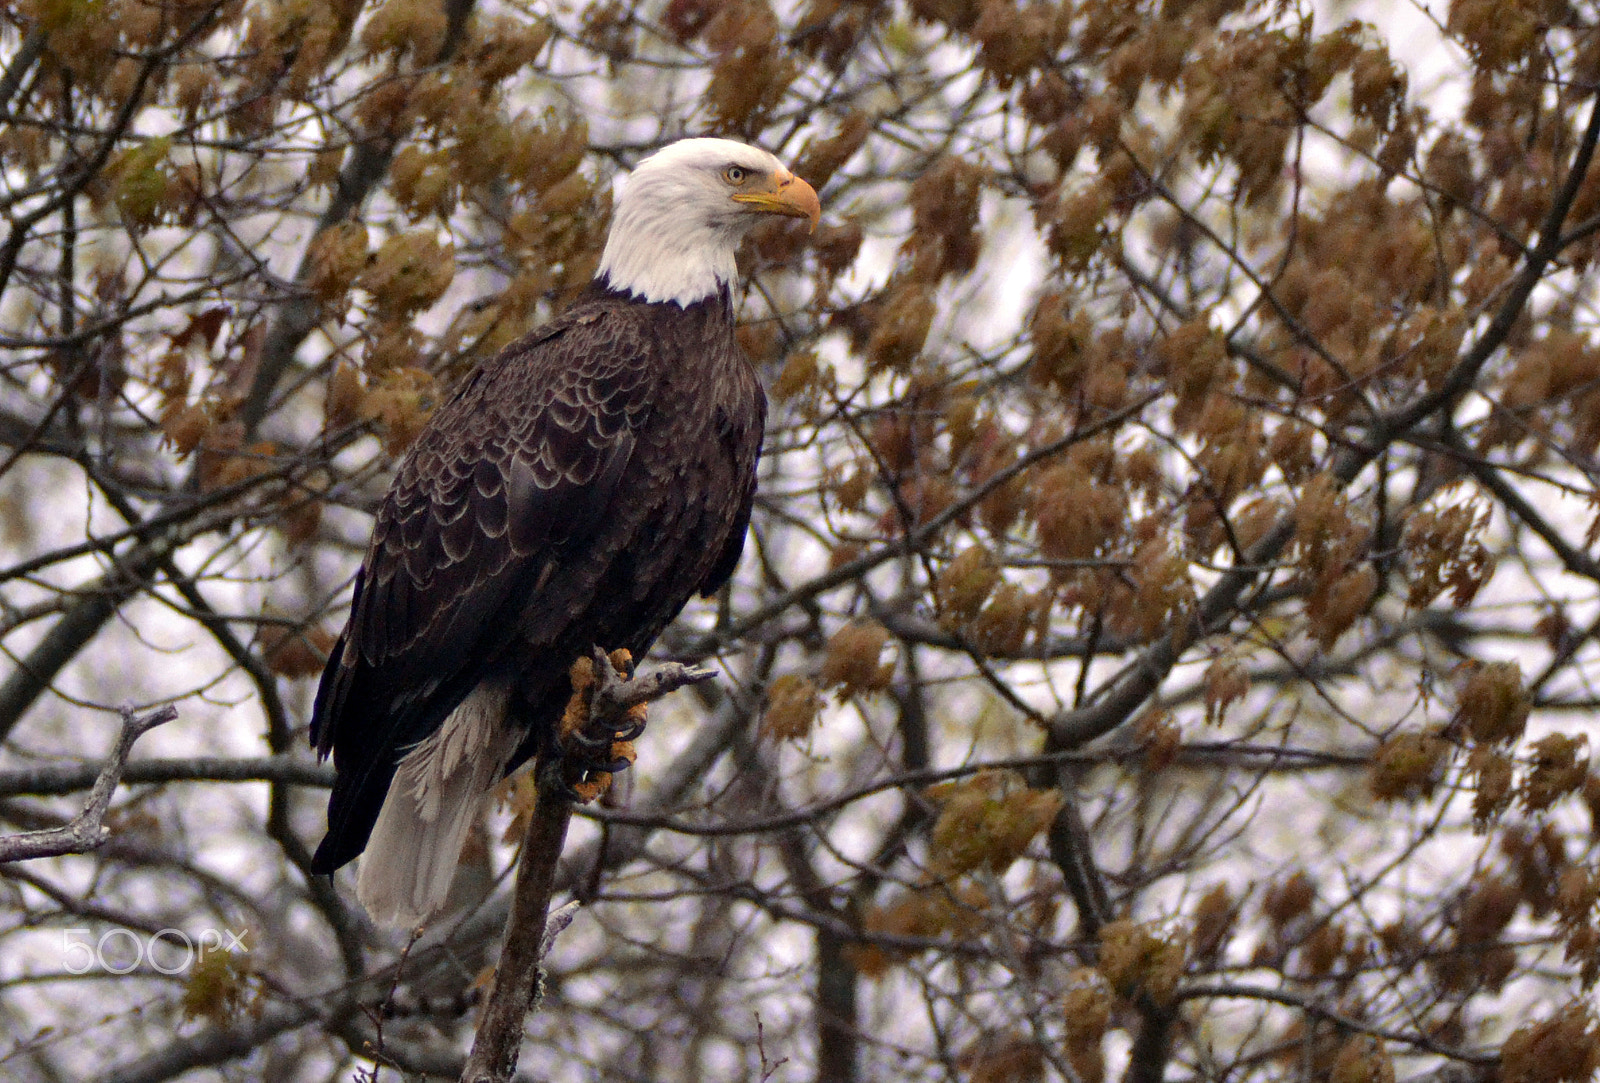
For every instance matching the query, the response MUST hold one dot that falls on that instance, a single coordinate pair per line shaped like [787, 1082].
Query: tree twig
[88, 830]
[530, 930]
[27, 54]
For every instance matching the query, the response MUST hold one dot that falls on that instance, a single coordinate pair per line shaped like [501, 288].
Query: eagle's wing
[522, 463]
[742, 437]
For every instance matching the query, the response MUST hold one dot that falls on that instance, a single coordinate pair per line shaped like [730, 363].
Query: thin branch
[88, 830]
[1072, 849]
[99, 601]
[55, 779]
[27, 55]
[219, 1045]
[1241, 755]
[1240, 991]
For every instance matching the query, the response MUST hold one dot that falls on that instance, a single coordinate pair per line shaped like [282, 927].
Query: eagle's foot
[587, 775]
[603, 749]
[607, 713]
[596, 738]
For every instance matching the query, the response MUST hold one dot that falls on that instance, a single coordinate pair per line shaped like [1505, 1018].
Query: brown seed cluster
[1138, 960]
[935, 910]
[1086, 1011]
[220, 986]
[854, 660]
[1564, 1048]
[986, 821]
[793, 703]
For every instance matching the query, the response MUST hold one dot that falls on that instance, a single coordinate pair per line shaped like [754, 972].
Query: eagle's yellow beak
[785, 194]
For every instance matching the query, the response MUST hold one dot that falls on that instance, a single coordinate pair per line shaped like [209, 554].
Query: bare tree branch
[87, 831]
[53, 779]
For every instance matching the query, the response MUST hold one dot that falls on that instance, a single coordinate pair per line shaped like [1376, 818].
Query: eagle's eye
[736, 174]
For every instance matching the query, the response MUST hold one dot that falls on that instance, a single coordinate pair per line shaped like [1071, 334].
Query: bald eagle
[574, 491]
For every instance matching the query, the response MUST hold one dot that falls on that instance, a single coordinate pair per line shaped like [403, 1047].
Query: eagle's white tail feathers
[411, 859]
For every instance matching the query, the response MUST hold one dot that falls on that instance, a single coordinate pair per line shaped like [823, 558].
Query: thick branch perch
[88, 830]
[518, 977]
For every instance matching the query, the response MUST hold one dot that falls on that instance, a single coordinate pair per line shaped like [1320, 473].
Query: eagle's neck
[658, 254]
[713, 311]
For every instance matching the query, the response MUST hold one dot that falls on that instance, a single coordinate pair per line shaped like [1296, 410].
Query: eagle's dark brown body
[577, 490]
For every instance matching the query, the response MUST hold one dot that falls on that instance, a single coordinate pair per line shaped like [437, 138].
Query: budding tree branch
[88, 830]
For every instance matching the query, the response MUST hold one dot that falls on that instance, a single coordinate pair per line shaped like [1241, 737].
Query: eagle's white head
[683, 211]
